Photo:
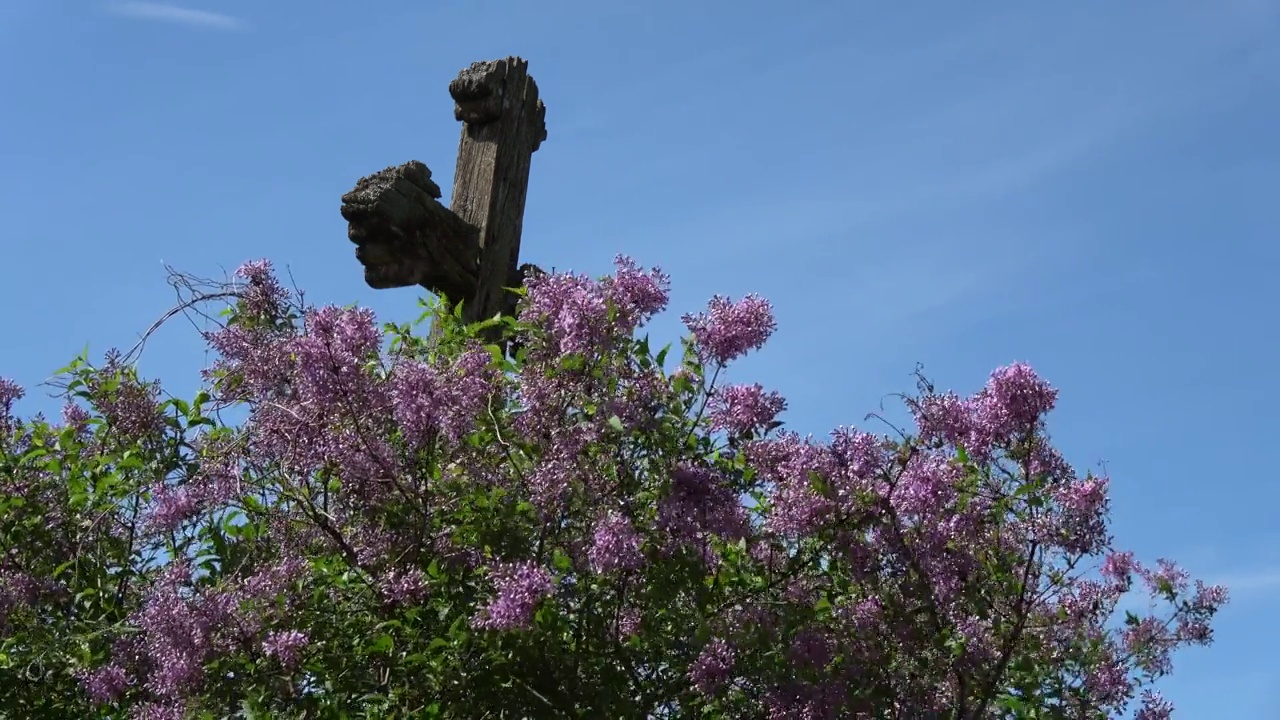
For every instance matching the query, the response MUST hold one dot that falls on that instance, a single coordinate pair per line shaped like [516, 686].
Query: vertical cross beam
[470, 251]
[503, 123]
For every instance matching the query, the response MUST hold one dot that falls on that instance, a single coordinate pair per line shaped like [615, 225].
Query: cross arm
[405, 237]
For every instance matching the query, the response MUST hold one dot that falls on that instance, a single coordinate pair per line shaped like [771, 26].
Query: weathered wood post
[468, 252]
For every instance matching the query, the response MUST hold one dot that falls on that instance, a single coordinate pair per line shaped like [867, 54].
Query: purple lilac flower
[159, 711]
[1012, 403]
[741, 409]
[1154, 707]
[857, 457]
[1208, 598]
[10, 392]
[1020, 394]
[571, 308]
[172, 506]
[926, 485]
[943, 417]
[272, 580]
[1088, 601]
[861, 614]
[797, 509]
[75, 417]
[551, 480]
[638, 401]
[131, 407]
[1167, 579]
[628, 624]
[106, 683]
[286, 647]
[698, 501]
[979, 642]
[637, 295]
[22, 588]
[802, 700]
[519, 587]
[416, 399]
[615, 546]
[1118, 569]
[1083, 503]
[802, 590]
[1049, 465]
[470, 387]
[262, 296]
[216, 482]
[178, 632]
[1108, 682]
[403, 587]
[1150, 642]
[332, 355]
[729, 330]
[812, 649]
[711, 669]
[255, 357]
[790, 463]
[426, 401]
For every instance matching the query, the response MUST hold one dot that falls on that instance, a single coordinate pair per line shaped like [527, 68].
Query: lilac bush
[413, 528]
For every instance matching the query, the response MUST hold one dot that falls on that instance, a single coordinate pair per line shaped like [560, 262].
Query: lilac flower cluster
[636, 294]
[413, 493]
[404, 587]
[581, 316]
[10, 393]
[572, 308]
[700, 504]
[1154, 707]
[76, 417]
[178, 635]
[286, 647]
[711, 669]
[742, 409]
[182, 628]
[518, 588]
[106, 683]
[616, 545]
[174, 502]
[430, 402]
[331, 355]
[129, 405]
[262, 295]
[729, 330]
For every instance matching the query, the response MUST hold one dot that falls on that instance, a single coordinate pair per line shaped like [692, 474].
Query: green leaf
[380, 644]
[561, 561]
[662, 355]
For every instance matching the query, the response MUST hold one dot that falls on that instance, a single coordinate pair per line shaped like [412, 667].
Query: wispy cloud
[176, 14]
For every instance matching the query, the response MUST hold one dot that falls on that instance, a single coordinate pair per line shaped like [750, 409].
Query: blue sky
[1079, 185]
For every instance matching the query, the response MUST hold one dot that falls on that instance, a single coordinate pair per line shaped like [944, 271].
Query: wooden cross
[469, 251]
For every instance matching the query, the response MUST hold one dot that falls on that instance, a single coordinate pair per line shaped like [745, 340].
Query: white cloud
[176, 14]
